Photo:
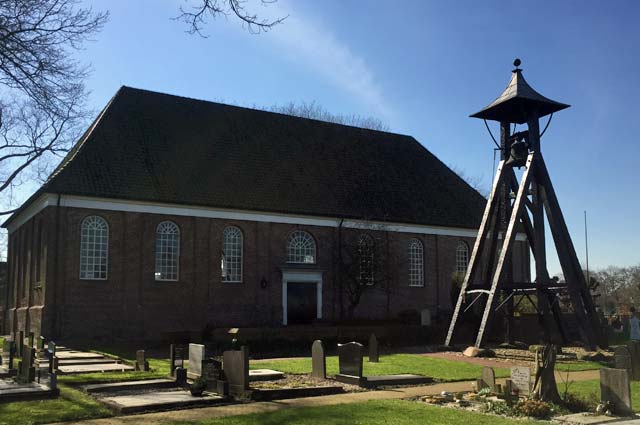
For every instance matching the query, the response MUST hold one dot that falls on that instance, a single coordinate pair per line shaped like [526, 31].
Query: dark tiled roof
[156, 147]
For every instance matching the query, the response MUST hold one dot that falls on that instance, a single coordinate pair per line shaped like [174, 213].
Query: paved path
[270, 406]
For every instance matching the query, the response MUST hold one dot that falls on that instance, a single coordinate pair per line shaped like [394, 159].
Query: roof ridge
[257, 109]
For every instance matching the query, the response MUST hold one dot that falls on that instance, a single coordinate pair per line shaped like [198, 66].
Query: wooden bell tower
[506, 215]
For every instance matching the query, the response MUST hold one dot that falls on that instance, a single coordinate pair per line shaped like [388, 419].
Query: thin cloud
[317, 47]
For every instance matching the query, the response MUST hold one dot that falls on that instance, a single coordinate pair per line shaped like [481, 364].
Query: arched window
[94, 248]
[416, 263]
[301, 248]
[462, 257]
[232, 254]
[366, 253]
[167, 251]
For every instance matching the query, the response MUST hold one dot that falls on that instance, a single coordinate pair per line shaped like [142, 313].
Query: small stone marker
[141, 361]
[235, 365]
[181, 376]
[350, 359]
[521, 379]
[8, 353]
[373, 349]
[196, 356]
[318, 360]
[425, 317]
[634, 349]
[615, 388]
[488, 378]
[622, 357]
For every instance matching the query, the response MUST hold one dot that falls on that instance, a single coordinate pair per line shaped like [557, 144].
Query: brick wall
[47, 296]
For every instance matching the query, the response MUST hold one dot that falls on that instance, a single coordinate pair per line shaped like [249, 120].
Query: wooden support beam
[507, 244]
[477, 247]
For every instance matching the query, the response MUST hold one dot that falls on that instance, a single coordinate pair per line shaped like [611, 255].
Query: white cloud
[317, 47]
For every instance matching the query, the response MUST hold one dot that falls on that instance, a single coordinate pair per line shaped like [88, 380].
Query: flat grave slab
[12, 391]
[77, 355]
[159, 400]
[401, 379]
[112, 367]
[587, 419]
[147, 384]
[265, 375]
[71, 362]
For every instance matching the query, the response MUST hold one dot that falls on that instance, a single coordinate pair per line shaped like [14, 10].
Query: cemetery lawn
[579, 365]
[441, 369]
[72, 405]
[382, 412]
[590, 390]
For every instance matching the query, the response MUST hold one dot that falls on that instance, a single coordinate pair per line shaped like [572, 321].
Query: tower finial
[517, 63]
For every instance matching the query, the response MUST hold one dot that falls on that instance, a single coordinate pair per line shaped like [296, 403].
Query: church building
[174, 215]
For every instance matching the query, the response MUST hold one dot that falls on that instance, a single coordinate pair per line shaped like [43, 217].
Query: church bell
[519, 150]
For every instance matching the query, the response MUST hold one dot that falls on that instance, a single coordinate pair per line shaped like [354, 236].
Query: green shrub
[533, 408]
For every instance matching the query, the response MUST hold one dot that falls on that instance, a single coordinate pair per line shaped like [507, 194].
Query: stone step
[148, 384]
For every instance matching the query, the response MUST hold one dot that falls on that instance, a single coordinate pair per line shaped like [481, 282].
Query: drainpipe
[437, 312]
[54, 305]
[340, 282]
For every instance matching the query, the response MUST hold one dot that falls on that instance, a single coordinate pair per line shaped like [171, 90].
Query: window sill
[87, 279]
[232, 281]
[167, 280]
[416, 286]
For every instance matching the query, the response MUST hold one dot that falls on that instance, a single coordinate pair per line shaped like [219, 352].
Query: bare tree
[315, 111]
[42, 94]
[475, 182]
[197, 12]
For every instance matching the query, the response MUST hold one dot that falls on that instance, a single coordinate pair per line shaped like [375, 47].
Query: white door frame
[301, 276]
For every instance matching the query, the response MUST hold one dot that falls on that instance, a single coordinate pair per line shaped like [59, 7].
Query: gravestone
[634, 349]
[235, 365]
[50, 354]
[141, 361]
[196, 356]
[8, 353]
[373, 349]
[26, 371]
[20, 343]
[521, 380]
[176, 357]
[318, 360]
[622, 357]
[425, 317]
[488, 378]
[615, 388]
[350, 359]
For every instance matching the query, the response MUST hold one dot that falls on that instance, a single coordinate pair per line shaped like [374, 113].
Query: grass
[591, 390]
[579, 365]
[72, 405]
[441, 369]
[385, 412]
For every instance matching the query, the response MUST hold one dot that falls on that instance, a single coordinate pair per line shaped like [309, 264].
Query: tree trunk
[545, 387]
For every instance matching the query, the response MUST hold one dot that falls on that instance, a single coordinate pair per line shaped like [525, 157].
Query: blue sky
[422, 67]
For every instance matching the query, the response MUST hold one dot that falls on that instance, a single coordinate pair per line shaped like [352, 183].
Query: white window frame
[415, 254]
[305, 246]
[177, 233]
[462, 249]
[84, 248]
[224, 264]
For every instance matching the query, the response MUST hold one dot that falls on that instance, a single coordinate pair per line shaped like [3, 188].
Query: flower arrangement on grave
[198, 386]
